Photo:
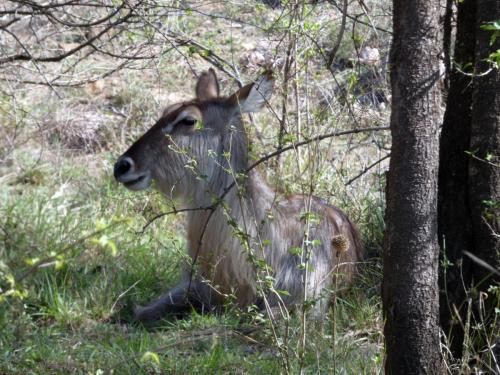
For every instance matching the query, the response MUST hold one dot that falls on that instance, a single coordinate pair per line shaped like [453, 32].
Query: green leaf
[494, 57]
[100, 225]
[495, 25]
[150, 357]
[266, 242]
[283, 292]
[295, 251]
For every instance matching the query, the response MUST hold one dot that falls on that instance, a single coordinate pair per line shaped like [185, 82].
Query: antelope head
[194, 141]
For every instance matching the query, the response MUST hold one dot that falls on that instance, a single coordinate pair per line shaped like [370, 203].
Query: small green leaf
[295, 251]
[31, 261]
[495, 25]
[100, 224]
[495, 28]
[283, 292]
[199, 125]
[494, 57]
[150, 357]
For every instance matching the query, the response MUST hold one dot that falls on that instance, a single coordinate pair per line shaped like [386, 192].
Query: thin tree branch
[367, 169]
[353, 18]
[314, 139]
[263, 159]
[29, 57]
[340, 35]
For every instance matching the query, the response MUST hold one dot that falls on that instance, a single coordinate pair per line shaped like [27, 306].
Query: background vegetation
[74, 257]
[80, 81]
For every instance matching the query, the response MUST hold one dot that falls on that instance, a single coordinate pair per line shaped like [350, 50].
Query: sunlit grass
[72, 314]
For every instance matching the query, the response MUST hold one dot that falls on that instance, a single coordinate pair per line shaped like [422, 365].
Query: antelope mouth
[140, 183]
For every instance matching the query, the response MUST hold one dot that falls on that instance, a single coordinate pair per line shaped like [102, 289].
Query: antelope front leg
[179, 300]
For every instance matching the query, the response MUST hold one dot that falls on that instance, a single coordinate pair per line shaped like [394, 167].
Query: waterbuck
[295, 248]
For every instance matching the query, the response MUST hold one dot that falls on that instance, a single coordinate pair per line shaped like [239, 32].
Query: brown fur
[269, 228]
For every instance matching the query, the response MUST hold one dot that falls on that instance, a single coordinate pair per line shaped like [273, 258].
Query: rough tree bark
[410, 285]
[471, 125]
[454, 218]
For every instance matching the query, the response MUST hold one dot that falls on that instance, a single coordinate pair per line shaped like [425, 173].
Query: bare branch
[367, 169]
[28, 57]
[340, 35]
[263, 159]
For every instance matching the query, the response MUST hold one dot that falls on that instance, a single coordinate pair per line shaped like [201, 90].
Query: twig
[29, 57]
[314, 139]
[122, 295]
[258, 162]
[340, 35]
[334, 3]
[482, 309]
[482, 263]
[482, 160]
[174, 211]
[473, 75]
[367, 169]
[365, 11]
[210, 56]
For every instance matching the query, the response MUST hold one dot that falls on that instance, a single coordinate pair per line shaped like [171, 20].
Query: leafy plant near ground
[71, 313]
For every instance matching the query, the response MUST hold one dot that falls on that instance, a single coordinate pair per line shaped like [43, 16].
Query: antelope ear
[253, 97]
[207, 86]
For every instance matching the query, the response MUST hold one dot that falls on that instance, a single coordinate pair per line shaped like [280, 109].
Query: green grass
[72, 315]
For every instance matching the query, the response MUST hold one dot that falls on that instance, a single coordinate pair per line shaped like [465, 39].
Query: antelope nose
[122, 167]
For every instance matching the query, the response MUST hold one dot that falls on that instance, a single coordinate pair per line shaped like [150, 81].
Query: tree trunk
[484, 168]
[469, 185]
[410, 285]
[447, 39]
[455, 226]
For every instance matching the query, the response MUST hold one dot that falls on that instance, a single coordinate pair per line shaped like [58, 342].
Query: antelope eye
[189, 121]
